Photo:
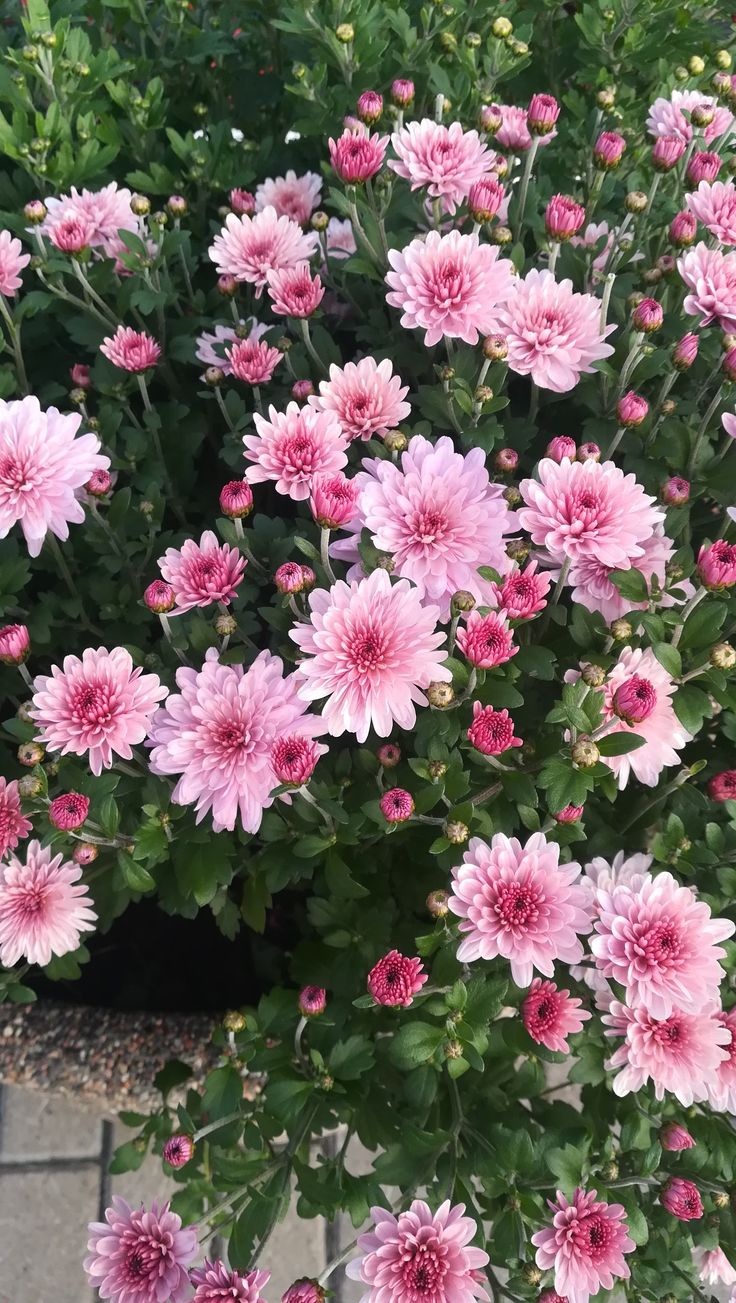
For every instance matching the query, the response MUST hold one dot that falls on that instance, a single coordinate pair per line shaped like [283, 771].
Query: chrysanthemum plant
[369, 552]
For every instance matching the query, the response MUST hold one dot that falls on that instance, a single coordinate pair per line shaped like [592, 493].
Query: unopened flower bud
[609, 1171]
[621, 630]
[589, 452]
[669, 407]
[319, 221]
[30, 754]
[462, 600]
[213, 376]
[647, 316]
[345, 33]
[720, 1199]
[606, 98]
[29, 786]
[388, 755]
[501, 235]
[518, 549]
[652, 276]
[436, 770]
[395, 441]
[593, 675]
[506, 460]
[437, 903]
[636, 202]
[446, 373]
[369, 107]
[234, 1021]
[178, 1150]
[531, 1274]
[384, 561]
[696, 67]
[632, 409]
[440, 695]
[570, 814]
[225, 625]
[512, 496]
[608, 150]
[483, 394]
[312, 1001]
[453, 1050]
[140, 205]
[542, 114]
[585, 753]
[666, 264]
[77, 396]
[723, 656]
[560, 447]
[502, 27]
[85, 853]
[448, 41]
[23, 713]
[676, 491]
[34, 211]
[703, 166]
[456, 832]
[402, 92]
[728, 365]
[159, 597]
[495, 348]
[177, 205]
[633, 299]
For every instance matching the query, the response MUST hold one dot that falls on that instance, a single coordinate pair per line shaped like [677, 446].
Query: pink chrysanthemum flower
[523, 593]
[12, 262]
[312, 1001]
[397, 805]
[178, 1150]
[713, 1266]
[69, 811]
[218, 733]
[333, 501]
[248, 248]
[137, 1256]
[98, 705]
[551, 1015]
[449, 286]
[513, 134]
[554, 334]
[492, 731]
[621, 872]
[13, 823]
[446, 161]
[710, 276]
[486, 640]
[420, 1255]
[43, 470]
[722, 1090]
[585, 1245]
[294, 292]
[292, 447]
[722, 787]
[680, 1054]
[304, 1291]
[674, 1137]
[131, 350]
[370, 648]
[340, 238]
[667, 117]
[211, 345]
[202, 573]
[521, 903]
[580, 510]
[366, 397]
[43, 907]
[682, 1199]
[216, 1283]
[294, 758]
[396, 979]
[236, 499]
[252, 361]
[15, 644]
[104, 212]
[658, 940]
[715, 206]
[71, 234]
[356, 155]
[438, 516]
[593, 588]
[291, 195]
[663, 733]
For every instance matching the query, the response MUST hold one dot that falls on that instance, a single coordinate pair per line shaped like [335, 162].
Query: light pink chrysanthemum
[43, 470]
[357, 155]
[104, 212]
[292, 447]
[340, 238]
[710, 276]
[450, 286]
[621, 872]
[98, 705]
[366, 397]
[294, 758]
[252, 360]
[202, 573]
[680, 1054]
[370, 648]
[663, 733]
[291, 195]
[438, 516]
[667, 116]
[420, 1255]
[715, 206]
[659, 941]
[521, 903]
[13, 823]
[137, 1256]
[248, 248]
[553, 333]
[211, 345]
[218, 733]
[713, 1266]
[294, 292]
[396, 979]
[333, 500]
[592, 586]
[131, 350]
[216, 1283]
[72, 234]
[523, 593]
[12, 262]
[585, 1245]
[513, 134]
[446, 161]
[551, 1015]
[486, 640]
[43, 907]
[580, 510]
[722, 1090]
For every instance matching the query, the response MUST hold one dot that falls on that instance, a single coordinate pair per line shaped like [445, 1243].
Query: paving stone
[43, 1234]
[36, 1125]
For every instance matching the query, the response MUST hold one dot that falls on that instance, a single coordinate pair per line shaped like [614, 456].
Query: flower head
[722, 1088]
[722, 787]
[252, 360]
[682, 1199]
[216, 1283]
[674, 1137]
[419, 1254]
[521, 903]
[485, 199]
[15, 644]
[135, 1254]
[703, 166]
[103, 213]
[202, 573]
[12, 262]
[591, 580]
[292, 447]
[43, 907]
[131, 350]
[178, 1150]
[486, 640]
[554, 334]
[211, 345]
[69, 811]
[667, 152]
[632, 409]
[218, 732]
[304, 1291]
[402, 92]
[492, 731]
[568, 814]
[13, 824]
[73, 233]
[236, 499]
[290, 196]
[294, 759]
[713, 1266]
[43, 470]
[370, 648]
[294, 292]
[289, 578]
[647, 316]
[445, 161]
[634, 700]
[333, 500]
[585, 1245]
[551, 1015]
[356, 156]
[664, 735]
[397, 805]
[717, 565]
[680, 1054]
[542, 114]
[608, 150]
[513, 134]
[248, 248]
[312, 1001]
[97, 706]
[159, 597]
[563, 217]
[365, 396]
[671, 117]
[242, 201]
[523, 593]
[710, 276]
[715, 206]
[396, 979]
[450, 286]
[683, 230]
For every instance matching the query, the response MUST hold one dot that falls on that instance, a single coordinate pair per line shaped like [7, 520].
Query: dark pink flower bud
[542, 114]
[682, 1199]
[178, 1150]
[15, 644]
[304, 1291]
[333, 500]
[309, 578]
[674, 1138]
[312, 1001]
[728, 365]
[294, 759]
[69, 811]
[561, 446]
[159, 597]
[506, 460]
[683, 229]
[634, 700]
[402, 92]
[99, 484]
[570, 814]
[667, 152]
[551, 1296]
[492, 731]
[676, 491]
[485, 199]
[491, 119]
[242, 202]
[388, 755]
[703, 167]
[227, 285]
[632, 409]
[85, 853]
[685, 352]
[396, 979]
[236, 499]
[289, 577]
[563, 217]
[589, 452]
[79, 375]
[356, 157]
[397, 805]
[369, 107]
[608, 150]
[486, 640]
[717, 565]
[647, 316]
[301, 390]
[722, 787]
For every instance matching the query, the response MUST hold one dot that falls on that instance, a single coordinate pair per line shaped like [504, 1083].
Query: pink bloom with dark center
[248, 248]
[98, 706]
[202, 573]
[715, 206]
[370, 648]
[216, 1283]
[608, 149]
[589, 451]
[12, 262]
[563, 217]
[69, 811]
[218, 732]
[632, 409]
[369, 107]
[554, 334]
[396, 979]
[450, 286]
[236, 499]
[680, 1054]
[73, 233]
[104, 211]
[356, 156]
[663, 733]
[703, 167]
[634, 700]
[671, 117]
[43, 907]
[178, 1150]
[659, 941]
[561, 446]
[294, 292]
[292, 447]
[585, 1245]
[13, 824]
[674, 1137]
[521, 903]
[485, 198]
[99, 484]
[159, 597]
[682, 1199]
[722, 787]
[43, 469]
[717, 565]
[211, 344]
[294, 759]
[713, 1266]
[131, 350]
[419, 1254]
[444, 161]
[551, 1296]
[290, 196]
[486, 640]
[551, 1015]
[523, 593]
[252, 360]
[513, 134]
[333, 500]
[397, 805]
[492, 731]
[710, 276]
[312, 1001]
[139, 1255]
[15, 644]
[365, 396]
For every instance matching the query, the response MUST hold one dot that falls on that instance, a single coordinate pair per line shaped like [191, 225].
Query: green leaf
[415, 1043]
[202, 867]
[630, 583]
[223, 1092]
[691, 706]
[567, 1165]
[619, 744]
[669, 657]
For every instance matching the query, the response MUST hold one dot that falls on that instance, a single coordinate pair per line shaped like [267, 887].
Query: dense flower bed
[369, 546]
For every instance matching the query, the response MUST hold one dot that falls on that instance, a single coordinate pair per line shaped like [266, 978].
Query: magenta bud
[178, 1150]
[683, 229]
[99, 484]
[632, 409]
[589, 452]
[667, 152]
[369, 107]
[674, 1138]
[69, 811]
[563, 217]
[685, 352]
[676, 491]
[301, 390]
[159, 597]
[397, 805]
[542, 114]
[570, 814]
[634, 700]
[485, 199]
[506, 460]
[402, 92]
[312, 1001]
[647, 316]
[388, 755]
[608, 150]
[717, 565]
[236, 499]
[561, 446]
[242, 202]
[15, 644]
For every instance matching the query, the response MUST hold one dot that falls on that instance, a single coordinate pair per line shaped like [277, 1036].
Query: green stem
[687, 610]
[379, 219]
[215, 1126]
[307, 338]
[324, 550]
[702, 429]
[158, 448]
[223, 409]
[14, 336]
[531, 154]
